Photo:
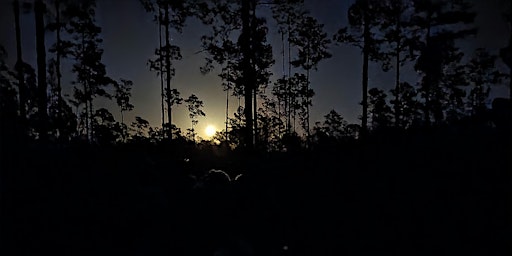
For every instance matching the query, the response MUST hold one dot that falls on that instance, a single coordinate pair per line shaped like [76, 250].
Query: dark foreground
[422, 195]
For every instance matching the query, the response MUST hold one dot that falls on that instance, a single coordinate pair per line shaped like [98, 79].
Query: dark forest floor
[422, 195]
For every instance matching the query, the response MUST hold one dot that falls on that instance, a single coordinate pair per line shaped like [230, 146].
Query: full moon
[210, 130]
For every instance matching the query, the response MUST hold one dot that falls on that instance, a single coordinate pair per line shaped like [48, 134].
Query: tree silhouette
[173, 98]
[255, 55]
[248, 15]
[90, 71]
[263, 60]
[288, 16]
[506, 52]
[122, 96]
[106, 129]
[399, 40]
[20, 64]
[8, 98]
[312, 45]
[482, 73]
[271, 124]
[362, 17]
[408, 105]
[380, 112]
[221, 49]
[140, 128]
[437, 20]
[453, 81]
[334, 126]
[194, 106]
[30, 123]
[173, 17]
[60, 112]
[39, 10]
[62, 120]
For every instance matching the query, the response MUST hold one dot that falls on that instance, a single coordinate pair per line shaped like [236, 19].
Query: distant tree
[237, 126]
[333, 129]
[312, 44]
[221, 49]
[353, 131]
[298, 86]
[253, 49]
[363, 16]
[20, 65]
[141, 128]
[194, 106]
[31, 124]
[399, 40]
[107, 130]
[271, 124]
[408, 106]
[287, 14]
[168, 15]
[8, 97]
[62, 120]
[280, 92]
[441, 24]
[380, 112]
[155, 135]
[173, 98]
[482, 74]
[506, 52]
[452, 85]
[39, 11]
[302, 101]
[59, 111]
[122, 95]
[90, 71]
[334, 125]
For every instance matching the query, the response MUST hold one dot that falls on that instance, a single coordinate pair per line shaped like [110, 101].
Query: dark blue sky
[130, 38]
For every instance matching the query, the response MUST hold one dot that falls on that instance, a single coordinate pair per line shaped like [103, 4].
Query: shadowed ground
[436, 194]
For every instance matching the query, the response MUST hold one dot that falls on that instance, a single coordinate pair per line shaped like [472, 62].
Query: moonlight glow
[210, 130]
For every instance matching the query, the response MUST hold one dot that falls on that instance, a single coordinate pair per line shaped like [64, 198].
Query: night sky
[130, 37]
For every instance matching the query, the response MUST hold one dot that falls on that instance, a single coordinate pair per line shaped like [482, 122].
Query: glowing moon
[210, 130]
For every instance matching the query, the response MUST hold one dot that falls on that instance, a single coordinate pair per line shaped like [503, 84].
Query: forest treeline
[452, 86]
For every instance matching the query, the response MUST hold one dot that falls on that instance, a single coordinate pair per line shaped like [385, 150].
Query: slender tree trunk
[288, 86]
[255, 116]
[192, 130]
[397, 81]
[255, 83]
[228, 68]
[39, 9]
[168, 72]
[307, 105]
[285, 95]
[227, 111]
[427, 82]
[162, 95]
[510, 60]
[57, 64]
[91, 117]
[248, 71]
[86, 94]
[19, 64]
[366, 51]
[307, 99]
